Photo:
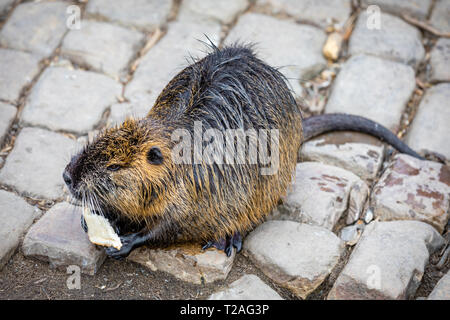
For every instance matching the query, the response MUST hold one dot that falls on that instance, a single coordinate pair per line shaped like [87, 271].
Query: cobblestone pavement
[359, 222]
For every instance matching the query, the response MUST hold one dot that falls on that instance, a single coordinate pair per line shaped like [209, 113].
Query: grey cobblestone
[170, 55]
[248, 287]
[356, 152]
[388, 261]
[430, 129]
[321, 194]
[137, 107]
[59, 239]
[35, 165]
[297, 49]
[7, 115]
[395, 39]
[319, 12]
[35, 26]
[142, 14]
[16, 216]
[71, 100]
[187, 262]
[224, 11]
[301, 257]
[102, 46]
[298, 247]
[440, 17]
[415, 8]
[442, 289]
[18, 70]
[5, 5]
[440, 61]
[374, 88]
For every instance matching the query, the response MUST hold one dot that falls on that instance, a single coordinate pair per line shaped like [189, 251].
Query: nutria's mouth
[113, 223]
[118, 221]
[87, 200]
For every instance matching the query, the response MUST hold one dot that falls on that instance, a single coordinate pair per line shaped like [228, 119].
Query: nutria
[130, 173]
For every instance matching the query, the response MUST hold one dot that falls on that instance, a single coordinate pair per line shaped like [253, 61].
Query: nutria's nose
[67, 178]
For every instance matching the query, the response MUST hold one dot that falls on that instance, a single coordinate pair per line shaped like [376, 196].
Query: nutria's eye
[113, 167]
[154, 156]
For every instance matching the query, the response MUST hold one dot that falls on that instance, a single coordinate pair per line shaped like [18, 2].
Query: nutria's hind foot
[226, 244]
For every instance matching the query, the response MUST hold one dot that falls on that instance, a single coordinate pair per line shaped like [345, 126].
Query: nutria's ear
[154, 156]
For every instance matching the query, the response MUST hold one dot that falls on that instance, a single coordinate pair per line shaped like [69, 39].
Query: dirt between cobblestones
[25, 278]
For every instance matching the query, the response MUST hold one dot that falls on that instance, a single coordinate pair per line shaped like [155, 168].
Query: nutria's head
[123, 172]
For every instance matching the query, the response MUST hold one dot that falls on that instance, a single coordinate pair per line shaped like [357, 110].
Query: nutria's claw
[237, 241]
[226, 244]
[115, 254]
[208, 245]
[128, 242]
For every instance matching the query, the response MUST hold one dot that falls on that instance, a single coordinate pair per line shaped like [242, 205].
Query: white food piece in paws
[100, 230]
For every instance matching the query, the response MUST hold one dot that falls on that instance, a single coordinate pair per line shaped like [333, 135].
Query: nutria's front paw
[128, 242]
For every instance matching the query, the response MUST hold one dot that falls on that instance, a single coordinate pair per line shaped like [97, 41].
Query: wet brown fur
[196, 202]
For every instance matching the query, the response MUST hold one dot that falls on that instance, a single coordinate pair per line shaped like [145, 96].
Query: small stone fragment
[332, 47]
[351, 234]
[368, 216]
